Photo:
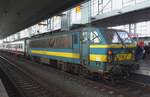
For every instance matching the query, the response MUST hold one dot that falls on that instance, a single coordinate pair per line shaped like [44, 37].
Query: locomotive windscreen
[117, 37]
[59, 41]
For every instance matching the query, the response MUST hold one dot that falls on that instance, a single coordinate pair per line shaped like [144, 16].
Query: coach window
[94, 37]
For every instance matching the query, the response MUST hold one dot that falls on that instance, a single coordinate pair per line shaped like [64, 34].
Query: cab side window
[84, 37]
[94, 37]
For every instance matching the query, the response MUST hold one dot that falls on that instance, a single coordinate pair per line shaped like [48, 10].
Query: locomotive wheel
[36, 59]
[83, 72]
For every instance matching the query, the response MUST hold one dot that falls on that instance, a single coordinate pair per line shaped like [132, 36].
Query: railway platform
[143, 74]
[3, 92]
[144, 68]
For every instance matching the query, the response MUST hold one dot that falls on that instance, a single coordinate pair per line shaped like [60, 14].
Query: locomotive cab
[110, 51]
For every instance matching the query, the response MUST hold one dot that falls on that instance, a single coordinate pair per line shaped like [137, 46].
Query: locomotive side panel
[57, 47]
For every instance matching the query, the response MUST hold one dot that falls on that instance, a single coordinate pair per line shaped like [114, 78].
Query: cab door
[84, 48]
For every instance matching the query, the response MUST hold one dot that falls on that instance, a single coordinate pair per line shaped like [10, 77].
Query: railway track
[26, 85]
[10, 88]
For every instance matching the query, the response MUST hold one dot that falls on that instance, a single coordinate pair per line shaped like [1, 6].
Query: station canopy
[16, 15]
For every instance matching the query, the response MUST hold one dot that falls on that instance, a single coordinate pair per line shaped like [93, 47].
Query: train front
[118, 53]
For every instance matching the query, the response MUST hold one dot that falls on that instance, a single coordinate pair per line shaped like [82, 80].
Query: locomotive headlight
[109, 56]
[109, 52]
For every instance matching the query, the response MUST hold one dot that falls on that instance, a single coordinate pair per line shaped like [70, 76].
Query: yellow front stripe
[122, 57]
[118, 57]
[57, 54]
[96, 57]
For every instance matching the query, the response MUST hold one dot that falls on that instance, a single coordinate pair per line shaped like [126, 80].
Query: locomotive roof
[59, 32]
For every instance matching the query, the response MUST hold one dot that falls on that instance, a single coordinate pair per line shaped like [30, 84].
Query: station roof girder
[127, 15]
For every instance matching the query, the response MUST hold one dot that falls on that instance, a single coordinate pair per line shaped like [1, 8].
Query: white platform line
[3, 92]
